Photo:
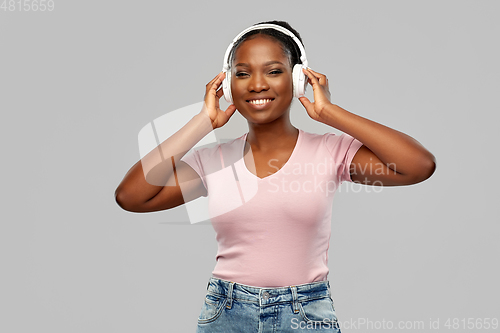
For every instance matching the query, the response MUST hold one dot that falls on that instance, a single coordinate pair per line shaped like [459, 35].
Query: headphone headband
[299, 78]
[303, 58]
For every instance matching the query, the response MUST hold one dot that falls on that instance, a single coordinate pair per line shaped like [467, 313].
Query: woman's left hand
[319, 82]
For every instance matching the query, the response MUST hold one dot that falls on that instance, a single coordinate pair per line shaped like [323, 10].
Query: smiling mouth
[260, 101]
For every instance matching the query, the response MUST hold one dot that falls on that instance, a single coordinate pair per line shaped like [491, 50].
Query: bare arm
[155, 171]
[388, 157]
[160, 180]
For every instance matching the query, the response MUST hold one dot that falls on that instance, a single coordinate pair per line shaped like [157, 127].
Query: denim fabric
[231, 307]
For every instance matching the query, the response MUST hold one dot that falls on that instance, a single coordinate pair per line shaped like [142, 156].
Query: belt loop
[230, 295]
[329, 291]
[295, 299]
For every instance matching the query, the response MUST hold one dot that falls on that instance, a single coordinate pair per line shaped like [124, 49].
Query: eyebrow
[266, 64]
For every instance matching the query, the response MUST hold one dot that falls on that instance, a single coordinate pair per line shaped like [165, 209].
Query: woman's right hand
[211, 107]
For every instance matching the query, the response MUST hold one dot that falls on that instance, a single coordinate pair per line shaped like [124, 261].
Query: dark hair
[290, 48]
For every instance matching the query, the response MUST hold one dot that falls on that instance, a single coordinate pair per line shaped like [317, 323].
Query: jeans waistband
[266, 296]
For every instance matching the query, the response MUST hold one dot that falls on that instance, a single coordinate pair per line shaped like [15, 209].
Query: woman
[270, 190]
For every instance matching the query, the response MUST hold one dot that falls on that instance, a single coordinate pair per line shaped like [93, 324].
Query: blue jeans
[231, 307]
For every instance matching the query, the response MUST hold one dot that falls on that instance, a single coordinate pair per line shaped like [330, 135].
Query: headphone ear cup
[226, 87]
[299, 81]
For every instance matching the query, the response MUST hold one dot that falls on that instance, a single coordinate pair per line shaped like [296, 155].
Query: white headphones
[299, 78]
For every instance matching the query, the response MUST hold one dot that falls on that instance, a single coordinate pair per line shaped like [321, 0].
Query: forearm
[148, 176]
[397, 150]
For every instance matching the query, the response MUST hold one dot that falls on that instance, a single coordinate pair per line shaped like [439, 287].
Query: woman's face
[261, 82]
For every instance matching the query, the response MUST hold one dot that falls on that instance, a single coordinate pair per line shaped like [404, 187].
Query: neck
[268, 136]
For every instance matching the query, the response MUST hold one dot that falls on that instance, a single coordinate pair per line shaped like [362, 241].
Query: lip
[261, 106]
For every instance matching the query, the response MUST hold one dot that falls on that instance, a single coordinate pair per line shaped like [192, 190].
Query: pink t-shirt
[274, 231]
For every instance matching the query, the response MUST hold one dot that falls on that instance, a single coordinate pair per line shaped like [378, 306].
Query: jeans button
[265, 295]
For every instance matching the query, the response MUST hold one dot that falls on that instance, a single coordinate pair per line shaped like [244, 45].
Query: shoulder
[333, 142]
[220, 149]
[315, 139]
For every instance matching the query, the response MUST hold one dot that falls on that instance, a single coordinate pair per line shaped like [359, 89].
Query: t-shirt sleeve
[342, 149]
[193, 159]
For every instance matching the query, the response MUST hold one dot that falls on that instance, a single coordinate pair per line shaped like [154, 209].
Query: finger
[211, 90]
[230, 110]
[209, 84]
[211, 81]
[321, 77]
[215, 85]
[218, 76]
[306, 103]
[312, 78]
[323, 81]
[315, 72]
[219, 93]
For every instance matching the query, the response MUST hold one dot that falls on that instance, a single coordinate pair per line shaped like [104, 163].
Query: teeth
[260, 101]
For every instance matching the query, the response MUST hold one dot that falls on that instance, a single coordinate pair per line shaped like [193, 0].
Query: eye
[276, 71]
[241, 74]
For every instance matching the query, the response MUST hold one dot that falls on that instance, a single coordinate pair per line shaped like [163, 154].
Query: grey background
[77, 84]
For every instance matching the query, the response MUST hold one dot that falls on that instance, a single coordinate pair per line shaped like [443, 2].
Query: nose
[258, 83]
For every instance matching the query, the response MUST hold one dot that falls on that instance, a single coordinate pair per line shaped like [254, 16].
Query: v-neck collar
[294, 152]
